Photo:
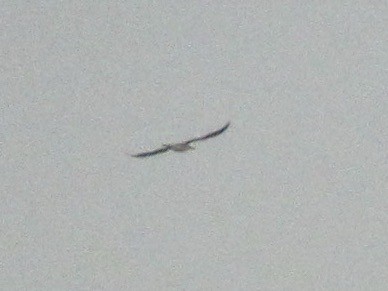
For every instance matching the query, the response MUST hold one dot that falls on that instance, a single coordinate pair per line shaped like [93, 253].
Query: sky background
[293, 196]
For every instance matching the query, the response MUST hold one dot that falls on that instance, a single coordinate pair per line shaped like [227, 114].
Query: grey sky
[292, 197]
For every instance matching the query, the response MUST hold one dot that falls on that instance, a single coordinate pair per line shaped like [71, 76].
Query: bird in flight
[182, 146]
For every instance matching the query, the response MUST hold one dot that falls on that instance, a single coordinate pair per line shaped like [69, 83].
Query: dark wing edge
[151, 153]
[209, 135]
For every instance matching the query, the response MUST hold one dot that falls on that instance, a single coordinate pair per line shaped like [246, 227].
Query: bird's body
[183, 146]
[180, 147]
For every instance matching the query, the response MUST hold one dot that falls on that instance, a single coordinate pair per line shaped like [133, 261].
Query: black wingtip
[226, 126]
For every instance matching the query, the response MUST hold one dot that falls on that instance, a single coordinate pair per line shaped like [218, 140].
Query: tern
[182, 146]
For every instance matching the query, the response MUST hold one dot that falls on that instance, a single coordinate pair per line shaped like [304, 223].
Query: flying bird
[182, 146]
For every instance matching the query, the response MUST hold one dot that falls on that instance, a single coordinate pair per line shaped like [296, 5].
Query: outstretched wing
[209, 135]
[151, 153]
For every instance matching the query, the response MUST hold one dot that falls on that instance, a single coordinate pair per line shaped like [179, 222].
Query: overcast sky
[293, 196]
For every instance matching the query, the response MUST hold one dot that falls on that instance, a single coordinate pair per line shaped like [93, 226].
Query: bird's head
[190, 147]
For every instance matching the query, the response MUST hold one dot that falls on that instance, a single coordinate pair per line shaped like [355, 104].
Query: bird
[182, 146]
